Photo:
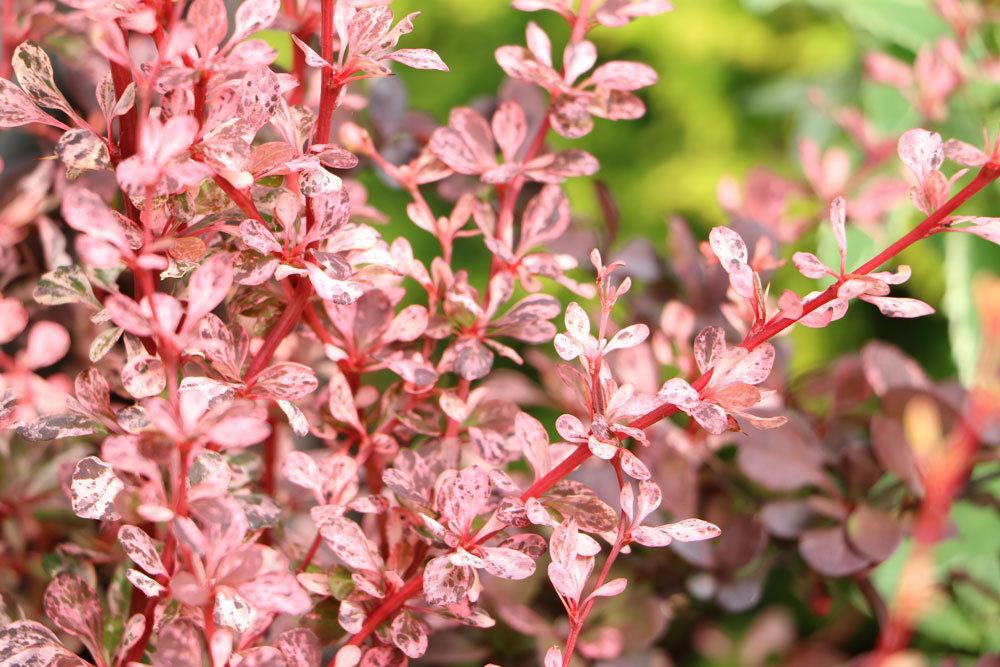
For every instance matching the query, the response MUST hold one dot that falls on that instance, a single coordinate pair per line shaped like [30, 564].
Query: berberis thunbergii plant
[297, 442]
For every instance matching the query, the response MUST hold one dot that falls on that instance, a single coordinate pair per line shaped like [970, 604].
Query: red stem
[330, 88]
[286, 322]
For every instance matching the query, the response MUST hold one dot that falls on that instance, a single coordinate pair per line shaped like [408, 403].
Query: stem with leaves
[930, 225]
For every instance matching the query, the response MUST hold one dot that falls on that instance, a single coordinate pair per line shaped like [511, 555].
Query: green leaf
[103, 343]
[963, 321]
[67, 284]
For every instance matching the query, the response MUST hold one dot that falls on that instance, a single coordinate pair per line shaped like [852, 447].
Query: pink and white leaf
[94, 488]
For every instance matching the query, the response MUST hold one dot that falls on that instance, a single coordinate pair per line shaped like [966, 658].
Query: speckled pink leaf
[409, 635]
[34, 72]
[347, 540]
[810, 265]
[232, 610]
[286, 380]
[94, 489]
[149, 586]
[17, 109]
[143, 376]
[73, 606]
[444, 582]
[300, 647]
[623, 75]
[301, 469]
[254, 15]
[419, 59]
[139, 547]
[921, 151]
[692, 530]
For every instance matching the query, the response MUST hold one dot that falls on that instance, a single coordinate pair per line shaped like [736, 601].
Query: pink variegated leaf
[300, 648]
[677, 391]
[649, 536]
[965, 154]
[296, 418]
[419, 59]
[348, 655]
[510, 128]
[983, 227]
[150, 587]
[232, 610]
[56, 426]
[178, 643]
[577, 322]
[73, 606]
[728, 246]
[810, 265]
[143, 376]
[571, 428]
[313, 59]
[208, 286]
[345, 538]
[409, 635]
[241, 424]
[252, 16]
[692, 530]
[446, 583]
[211, 23]
[408, 325]
[340, 292]
[508, 563]
[519, 63]
[94, 489]
[527, 543]
[554, 656]
[610, 589]
[650, 497]
[82, 150]
[899, 306]
[578, 58]
[34, 73]
[255, 235]
[616, 13]
[546, 217]
[601, 449]
[628, 337]
[711, 417]
[557, 167]
[709, 346]
[921, 151]
[92, 391]
[286, 381]
[623, 75]
[539, 43]
[754, 367]
[632, 466]
[302, 470]
[17, 109]
[140, 548]
[463, 496]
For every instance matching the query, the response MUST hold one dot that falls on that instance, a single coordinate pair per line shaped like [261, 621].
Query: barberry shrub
[244, 427]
